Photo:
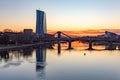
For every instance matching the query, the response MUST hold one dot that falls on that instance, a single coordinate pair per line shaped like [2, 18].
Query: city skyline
[61, 15]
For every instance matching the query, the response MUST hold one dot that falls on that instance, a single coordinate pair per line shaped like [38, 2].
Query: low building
[28, 36]
[28, 31]
[110, 35]
[14, 37]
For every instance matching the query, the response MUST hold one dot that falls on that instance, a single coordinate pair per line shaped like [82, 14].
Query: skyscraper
[40, 23]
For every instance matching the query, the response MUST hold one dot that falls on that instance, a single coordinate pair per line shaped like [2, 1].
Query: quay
[20, 46]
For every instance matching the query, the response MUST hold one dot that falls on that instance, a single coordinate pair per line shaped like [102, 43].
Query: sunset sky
[61, 15]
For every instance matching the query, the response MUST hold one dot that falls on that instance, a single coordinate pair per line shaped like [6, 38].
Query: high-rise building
[40, 23]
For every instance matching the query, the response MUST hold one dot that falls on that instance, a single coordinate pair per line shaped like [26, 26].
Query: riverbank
[12, 47]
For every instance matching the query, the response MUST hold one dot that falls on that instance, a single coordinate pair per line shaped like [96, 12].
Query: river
[47, 64]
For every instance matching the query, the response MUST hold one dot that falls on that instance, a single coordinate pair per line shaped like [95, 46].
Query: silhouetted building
[110, 35]
[14, 37]
[40, 23]
[28, 31]
[28, 35]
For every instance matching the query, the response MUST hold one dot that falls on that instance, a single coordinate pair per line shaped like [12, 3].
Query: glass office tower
[40, 23]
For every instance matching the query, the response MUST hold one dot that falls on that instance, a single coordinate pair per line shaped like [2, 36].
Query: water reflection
[59, 48]
[4, 55]
[27, 52]
[41, 62]
[71, 65]
[15, 58]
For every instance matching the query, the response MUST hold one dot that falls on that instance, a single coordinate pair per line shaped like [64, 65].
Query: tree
[8, 30]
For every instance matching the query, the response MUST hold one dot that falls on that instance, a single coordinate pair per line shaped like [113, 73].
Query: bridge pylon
[70, 45]
[60, 36]
[90, 45]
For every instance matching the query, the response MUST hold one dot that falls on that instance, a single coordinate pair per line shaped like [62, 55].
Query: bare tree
[8, 30]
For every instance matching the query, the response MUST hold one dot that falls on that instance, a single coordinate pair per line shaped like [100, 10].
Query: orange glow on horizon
[87, 32]
[77, 32]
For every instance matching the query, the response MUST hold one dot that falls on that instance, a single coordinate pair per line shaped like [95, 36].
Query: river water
[47, 64]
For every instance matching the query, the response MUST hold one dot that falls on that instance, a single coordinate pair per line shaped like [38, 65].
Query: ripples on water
[48, 64]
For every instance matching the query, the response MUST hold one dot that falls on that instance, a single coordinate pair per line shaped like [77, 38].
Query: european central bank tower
[40, 23]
